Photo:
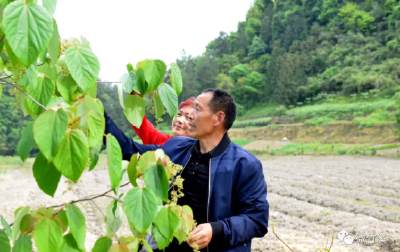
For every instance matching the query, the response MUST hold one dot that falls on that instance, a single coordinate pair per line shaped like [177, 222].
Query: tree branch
[87, 198]
[93, 197]
[2, 81]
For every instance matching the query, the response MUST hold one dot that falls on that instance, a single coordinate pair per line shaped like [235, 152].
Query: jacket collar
[218, 150]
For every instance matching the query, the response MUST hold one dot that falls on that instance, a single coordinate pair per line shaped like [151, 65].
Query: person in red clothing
[180, 127]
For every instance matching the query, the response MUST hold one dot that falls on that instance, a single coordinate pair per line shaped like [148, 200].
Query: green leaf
[42, 93]
[46, 175]
[67, 86]
[48, 235]
[4, 242]
[128, 80]
[140, 207]
[83, 65]
[146, 160]
[119, 248]
[181, 232]
[27, 142]
[29, 28]
[103, 244]
[68, 244]
[162, 241]
[86, 105]
[154, 72]
[54, 46]
[94, 157]
[141, 82]
[169, 98]
[158, 105]
[32, 76]
[49, 130]
[96, 125]
[11, 55]
[23, 244]
[167, 222]
[147, 246]
[50, 6]
[93, 91]
[27, 224]
[49, 71]
[62, 216]
[1, 90]
[114, 160]
[113, 219]
[132, 170]
[77, 225]
[129, 67]
[4, 3]
[176, 78]
[156, 179]
[72, 155]
[134, 109]
[7, 227]
[16, 225]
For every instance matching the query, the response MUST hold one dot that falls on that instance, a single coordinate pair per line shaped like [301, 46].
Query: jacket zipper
[209, 185]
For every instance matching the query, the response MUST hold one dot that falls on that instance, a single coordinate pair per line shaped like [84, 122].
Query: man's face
[202, 119]
[180, 126]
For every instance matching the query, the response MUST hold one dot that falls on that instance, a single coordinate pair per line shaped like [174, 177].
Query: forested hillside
[287, 52]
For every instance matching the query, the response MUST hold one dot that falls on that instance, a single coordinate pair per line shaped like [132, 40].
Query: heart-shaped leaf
[176, 78]
[156, 179]
[27, 142]
[140, 207]
[77, 225]
[46, 175]
[72, 155]
[29, 28]
[83, 65]
[114, 160]
[169, 98]
[154, 72]
[134, 110]
[48, 235]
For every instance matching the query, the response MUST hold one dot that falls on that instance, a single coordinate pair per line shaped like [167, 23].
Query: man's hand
[201, 235]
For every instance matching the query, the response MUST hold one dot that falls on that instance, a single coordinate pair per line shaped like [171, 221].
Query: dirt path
[360, 195]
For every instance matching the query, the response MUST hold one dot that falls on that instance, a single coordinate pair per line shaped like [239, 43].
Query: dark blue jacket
[237, 188]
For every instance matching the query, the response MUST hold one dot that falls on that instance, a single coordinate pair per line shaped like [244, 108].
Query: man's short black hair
[222, 101]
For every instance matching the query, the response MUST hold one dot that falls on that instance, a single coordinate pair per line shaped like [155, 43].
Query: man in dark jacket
[223, 183]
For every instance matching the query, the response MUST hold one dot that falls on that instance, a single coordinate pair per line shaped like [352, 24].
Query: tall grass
[380, 117]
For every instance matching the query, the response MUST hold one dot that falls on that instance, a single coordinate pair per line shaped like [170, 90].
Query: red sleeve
[149, 134]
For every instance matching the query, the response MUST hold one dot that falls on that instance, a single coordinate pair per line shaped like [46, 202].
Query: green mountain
[288, 52]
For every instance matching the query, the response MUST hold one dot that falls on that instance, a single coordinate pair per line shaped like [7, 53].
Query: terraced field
[309, 197]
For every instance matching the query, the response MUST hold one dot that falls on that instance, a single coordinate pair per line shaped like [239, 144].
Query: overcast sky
[128, 31]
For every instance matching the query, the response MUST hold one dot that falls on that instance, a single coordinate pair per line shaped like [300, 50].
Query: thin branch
[90, 197]
[22, 91]
[115, 198]
[273, 231]
[5, 77]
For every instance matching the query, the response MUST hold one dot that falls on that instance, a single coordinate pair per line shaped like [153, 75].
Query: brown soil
[361, 195]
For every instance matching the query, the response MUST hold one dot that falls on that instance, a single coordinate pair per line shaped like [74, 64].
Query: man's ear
[220, 118]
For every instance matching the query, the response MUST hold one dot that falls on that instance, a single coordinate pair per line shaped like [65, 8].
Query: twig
[115, 198]
[6, 77]
[91, 197]
[273, 231]
[22, 91]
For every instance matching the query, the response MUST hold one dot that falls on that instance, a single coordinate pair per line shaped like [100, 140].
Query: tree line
[287, 52]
